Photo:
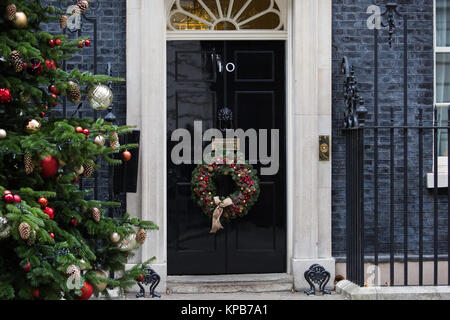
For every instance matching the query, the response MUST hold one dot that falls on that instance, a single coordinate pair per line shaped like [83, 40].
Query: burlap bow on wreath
[216, 224]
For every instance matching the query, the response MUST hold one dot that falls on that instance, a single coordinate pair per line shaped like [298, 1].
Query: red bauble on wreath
[49, 167]
[86, 291]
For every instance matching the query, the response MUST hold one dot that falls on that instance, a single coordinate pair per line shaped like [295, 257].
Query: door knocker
[230, 67]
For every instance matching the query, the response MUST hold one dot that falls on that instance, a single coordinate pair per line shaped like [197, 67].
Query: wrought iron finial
[391, 11]
[110, 117]
[150, 278]
[355, 111]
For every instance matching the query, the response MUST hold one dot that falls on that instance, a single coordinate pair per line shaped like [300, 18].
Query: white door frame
[308, 54]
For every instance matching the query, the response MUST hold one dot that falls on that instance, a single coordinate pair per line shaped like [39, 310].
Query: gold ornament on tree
[100, 97]
[99, 140]
[141, 235]
[73, 92]
[100, 286]
[20, 20]
[78, 170]
[128, 244]
[5, 228]
[28, 163]
[32, 126]
[11, 10]
[114, 237]
[24, 230]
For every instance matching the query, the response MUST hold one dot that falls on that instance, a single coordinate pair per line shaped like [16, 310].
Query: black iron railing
[394, 214]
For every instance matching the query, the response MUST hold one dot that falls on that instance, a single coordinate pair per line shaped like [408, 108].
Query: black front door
[204, 77]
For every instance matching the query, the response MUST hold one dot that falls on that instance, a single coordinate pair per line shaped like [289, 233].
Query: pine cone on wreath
[141, 235]
[63, 21]
[29, 165]
[73, 92]
[24, 230]
[114, 141]
[88, 170]
[11, 11]
[16, 59]
[83, 5]
[96, 214]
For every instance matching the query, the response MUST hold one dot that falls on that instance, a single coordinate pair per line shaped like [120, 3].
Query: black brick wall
[352, 38]
[110, 44]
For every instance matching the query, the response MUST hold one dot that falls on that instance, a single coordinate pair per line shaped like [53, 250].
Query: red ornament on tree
[49, 167]
[43, 202]
[74, 222]
[86, 132]
[87, 43]
[9, 198]
[35, 293]
[35, 67]
[126, 155]
[79, 130]
[58, 42]
[51, 43]
[52, 235]
[27, 267]
[17, 198]
[50, 212]
[5, 95]
[140, 278]
[86, 291]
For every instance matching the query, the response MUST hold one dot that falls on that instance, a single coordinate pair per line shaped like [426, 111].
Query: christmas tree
[54, 241]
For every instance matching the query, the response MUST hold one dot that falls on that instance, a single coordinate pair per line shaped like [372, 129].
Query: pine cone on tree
[11, 11]
[96, 214]
[29, 165]
[16, 60]
[63, 21]
[141, 235]
[83, 5]
[24, 230]
[73, 92]
[114, 141]
[88, 170]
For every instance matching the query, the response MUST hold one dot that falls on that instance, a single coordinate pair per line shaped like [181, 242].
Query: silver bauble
[5, 228]
[79, 170]
[128, 244]
[100, 141]
[2, 134]
[114, 237]
[100, 97]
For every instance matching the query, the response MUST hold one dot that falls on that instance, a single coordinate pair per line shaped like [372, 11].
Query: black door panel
[254, 89]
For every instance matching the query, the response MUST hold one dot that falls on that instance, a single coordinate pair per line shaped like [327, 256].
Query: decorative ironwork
[317, 274]
[391, 11]
[152, 279]
[355, 111]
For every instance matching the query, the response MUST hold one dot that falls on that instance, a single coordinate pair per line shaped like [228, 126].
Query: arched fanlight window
[225, 15]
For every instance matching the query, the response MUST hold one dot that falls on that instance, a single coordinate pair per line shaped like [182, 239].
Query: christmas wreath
[235, 205]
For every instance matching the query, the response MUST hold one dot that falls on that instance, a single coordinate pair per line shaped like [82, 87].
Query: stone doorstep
[352, 291]
[230, 283]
